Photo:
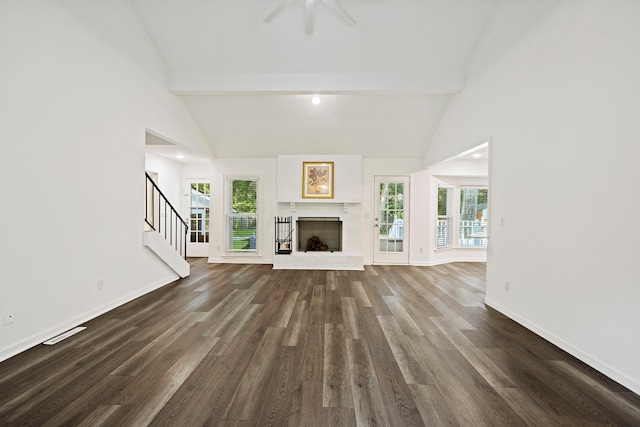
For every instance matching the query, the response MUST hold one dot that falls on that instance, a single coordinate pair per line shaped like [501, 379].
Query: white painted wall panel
[80, 83]
[347, 178]
[562, 107]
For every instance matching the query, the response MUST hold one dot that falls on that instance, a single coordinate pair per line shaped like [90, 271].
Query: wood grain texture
[246, 345]
[336, 387]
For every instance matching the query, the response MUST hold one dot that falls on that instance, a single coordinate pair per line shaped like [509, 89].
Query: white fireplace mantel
[345, 206]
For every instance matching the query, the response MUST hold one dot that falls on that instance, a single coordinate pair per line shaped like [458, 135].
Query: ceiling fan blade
[308, 17]
[338, 10]
[277, 10]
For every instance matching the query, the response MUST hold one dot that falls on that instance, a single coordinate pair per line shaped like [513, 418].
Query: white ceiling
[385, 82]
[378, 126]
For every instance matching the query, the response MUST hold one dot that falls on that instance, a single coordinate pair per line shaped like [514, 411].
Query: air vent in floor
[65, 335]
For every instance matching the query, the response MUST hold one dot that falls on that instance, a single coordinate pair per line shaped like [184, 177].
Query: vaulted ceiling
[384, 81]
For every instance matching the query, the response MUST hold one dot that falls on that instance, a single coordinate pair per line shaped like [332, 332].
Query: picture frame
[317, 180]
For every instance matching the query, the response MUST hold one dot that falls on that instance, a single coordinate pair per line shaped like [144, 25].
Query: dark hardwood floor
[245, 345]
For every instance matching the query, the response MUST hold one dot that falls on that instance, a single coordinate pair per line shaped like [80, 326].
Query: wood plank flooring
[245, 345]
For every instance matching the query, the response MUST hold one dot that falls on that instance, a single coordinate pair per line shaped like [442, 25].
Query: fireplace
[319, 234]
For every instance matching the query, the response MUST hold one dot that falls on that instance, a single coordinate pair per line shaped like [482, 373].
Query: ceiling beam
[427, 82]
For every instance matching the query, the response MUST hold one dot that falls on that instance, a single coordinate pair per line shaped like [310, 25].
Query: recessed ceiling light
[179, 156]
[476, 155]
[315, 100]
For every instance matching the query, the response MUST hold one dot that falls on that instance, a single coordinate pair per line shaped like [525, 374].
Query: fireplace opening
[319, 234]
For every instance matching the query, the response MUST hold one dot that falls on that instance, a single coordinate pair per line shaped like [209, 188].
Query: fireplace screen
[319, 234]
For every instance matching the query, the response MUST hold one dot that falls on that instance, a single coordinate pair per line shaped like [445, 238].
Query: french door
[198, 207]
[391, 223]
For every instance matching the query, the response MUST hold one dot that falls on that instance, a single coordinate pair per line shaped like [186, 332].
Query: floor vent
[56, 340]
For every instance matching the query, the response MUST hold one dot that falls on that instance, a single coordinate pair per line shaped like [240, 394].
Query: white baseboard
[239, 260]
[594, 362]
[53, 331]
[443, 261]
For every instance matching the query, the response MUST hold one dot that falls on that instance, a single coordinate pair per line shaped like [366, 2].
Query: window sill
[464, 248]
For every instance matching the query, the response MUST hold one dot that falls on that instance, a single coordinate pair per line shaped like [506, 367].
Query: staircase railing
[162, 217]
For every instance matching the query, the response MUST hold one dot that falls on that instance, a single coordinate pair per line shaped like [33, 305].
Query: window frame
[230, 216]
[205, 222]
[448, 218]
[484, 223]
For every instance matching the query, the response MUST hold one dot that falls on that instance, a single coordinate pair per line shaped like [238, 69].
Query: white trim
[450, 81]
[53, 331]
[469, 149]
[433, 263]
[238, 260]
[595, 363]
[241, 253]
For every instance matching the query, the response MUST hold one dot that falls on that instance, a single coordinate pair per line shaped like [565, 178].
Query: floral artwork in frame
[317, 180]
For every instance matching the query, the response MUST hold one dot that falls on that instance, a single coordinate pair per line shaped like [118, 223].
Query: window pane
[199, 211]
[242, 215]
[473, 217]
[244, 196]
[243, 233]
[391, 217]
[442, 200]
[444, 232]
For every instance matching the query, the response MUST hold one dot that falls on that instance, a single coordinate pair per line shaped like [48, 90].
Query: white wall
[347, 178]
[80, 83]
[197, 171]
[562, 108]
[169, 177]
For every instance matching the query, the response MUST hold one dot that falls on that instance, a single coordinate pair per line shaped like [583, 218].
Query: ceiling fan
[308, 13]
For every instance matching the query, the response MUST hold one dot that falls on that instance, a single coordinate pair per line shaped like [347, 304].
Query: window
[473, 216]
[241, 214]
[199, 205]
[444, 232]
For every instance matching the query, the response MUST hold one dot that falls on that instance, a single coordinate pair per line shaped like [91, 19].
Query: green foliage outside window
[244, 196]
[242, 220]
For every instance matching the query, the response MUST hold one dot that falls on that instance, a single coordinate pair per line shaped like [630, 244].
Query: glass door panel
[391, 222]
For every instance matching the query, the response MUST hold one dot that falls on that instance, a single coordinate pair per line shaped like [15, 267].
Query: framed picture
[317, 180]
